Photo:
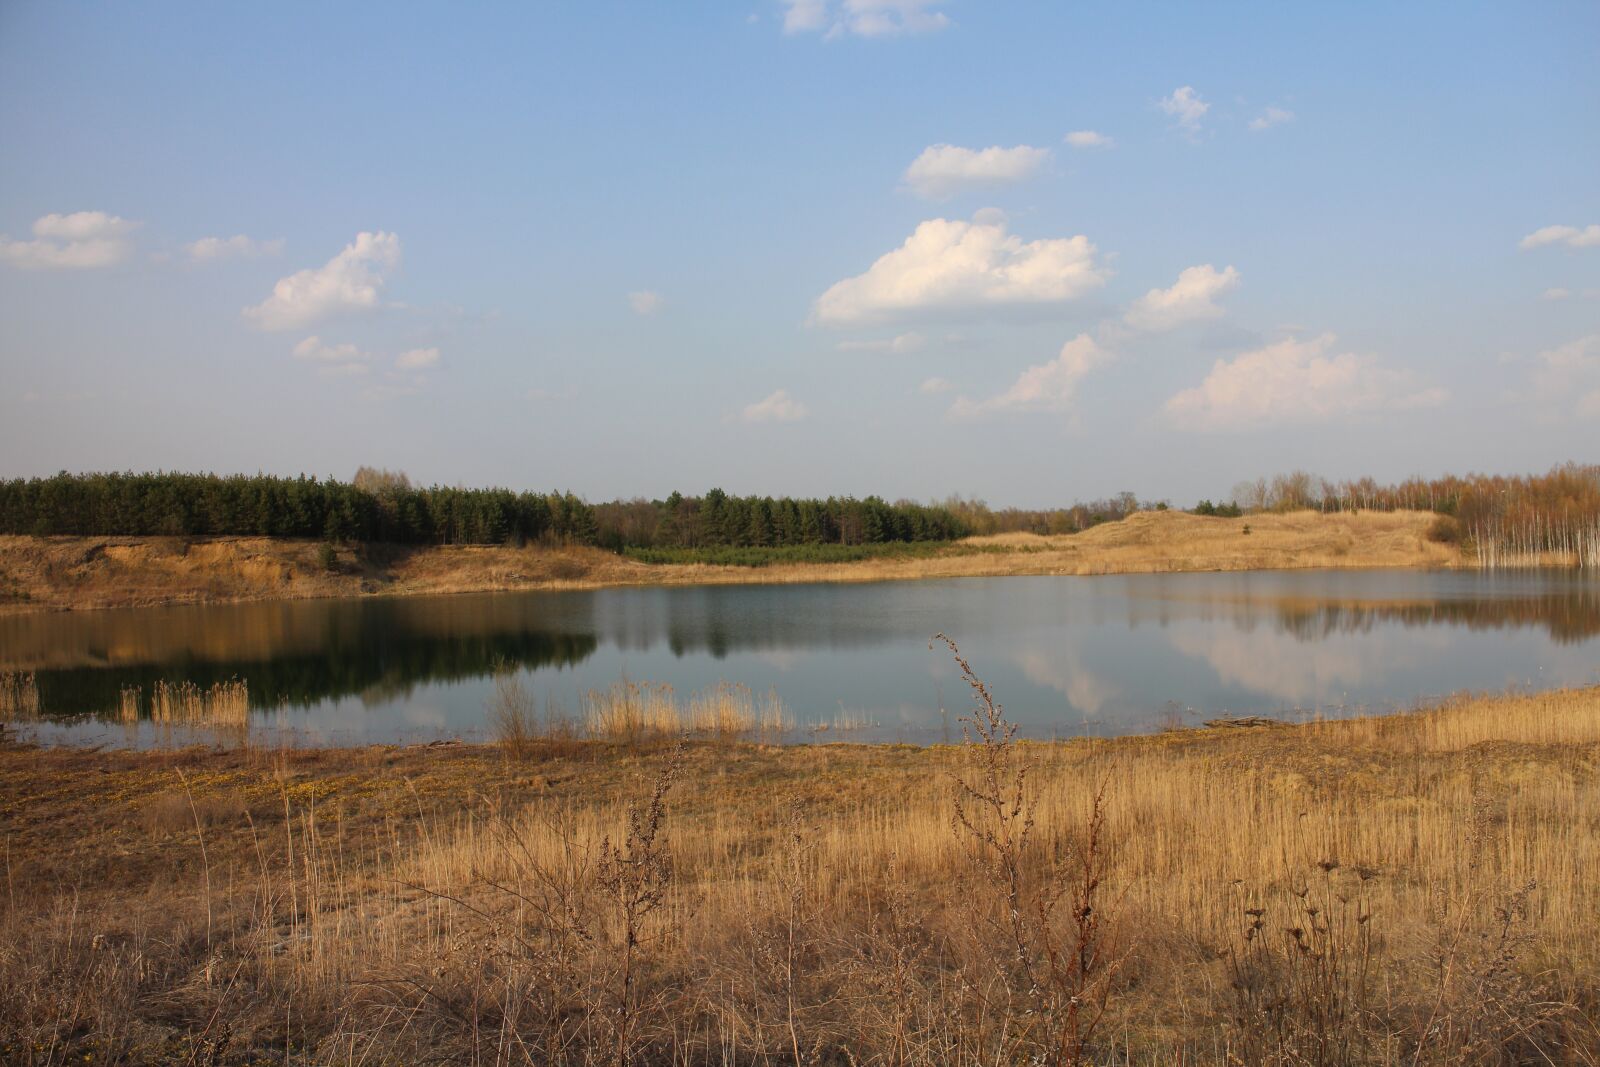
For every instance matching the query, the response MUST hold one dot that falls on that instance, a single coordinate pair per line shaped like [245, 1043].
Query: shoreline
[96, 573]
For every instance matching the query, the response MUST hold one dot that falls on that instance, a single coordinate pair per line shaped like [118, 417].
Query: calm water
[1066, 656]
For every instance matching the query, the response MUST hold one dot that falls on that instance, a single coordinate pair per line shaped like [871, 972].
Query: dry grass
[635, 713]
[225, 703]
[68, 572]
[1412, 889]
[19, 696]
[516, 728]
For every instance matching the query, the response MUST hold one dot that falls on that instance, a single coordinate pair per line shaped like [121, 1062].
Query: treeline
[1506, 519]
[163, 504]
[380, 506]
[979, 519]
[719, 520]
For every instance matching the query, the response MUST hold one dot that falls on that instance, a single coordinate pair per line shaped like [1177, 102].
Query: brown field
[75, 573]
[1410, 889]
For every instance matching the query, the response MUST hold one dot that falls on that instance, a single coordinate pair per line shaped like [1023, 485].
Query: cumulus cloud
[1087, 139]
[1567, 378]
[239, 246]
[342, 358]
[1272, 116]
[1558, 293]
[932, 386]
[1185, 107]
[646, 302]
[778, 406]
[350, 281]
[1191, 298]
[950, 265]
[900, 343]
[943, 170]
[1571, 236]
[1294, 381]
[805, 16]
[863, 18]
[1048, 387]
[417, 359]
[82, 240]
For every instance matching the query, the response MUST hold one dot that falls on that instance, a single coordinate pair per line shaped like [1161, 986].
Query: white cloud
[778, 406]
[1557, 293]
[236, 247]
[343, 358]
[1294, 381]
[350, 281]
[1568, 378]
[79, 241]
[932, 386]
[1049, 387]
[943, 170]
[646, 302]
[1571, 236]
[1272, 116]
[863, 18]
[899, 344]
[417, 359]
[1087, 139]
[805, 16]
[1191, 298]
[951, 265]
[314, 348]
[1185, 106]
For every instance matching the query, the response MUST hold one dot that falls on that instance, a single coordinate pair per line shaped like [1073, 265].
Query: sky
[1026, 252]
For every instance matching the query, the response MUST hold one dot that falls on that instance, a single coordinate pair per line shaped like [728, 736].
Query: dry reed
[223, 707]
[19, 696]
[1411, 889]
[637, 712]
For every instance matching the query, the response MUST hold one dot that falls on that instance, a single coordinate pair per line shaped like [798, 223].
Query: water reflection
[1102, 655]
[297, 654]
[1313, 605]
[1569, 618]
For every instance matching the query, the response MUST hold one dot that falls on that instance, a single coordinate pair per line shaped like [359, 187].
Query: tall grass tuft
[223, 707]
[516, 728]
[640, 712]
[632, 712]
[187, 704]
[19, 696]
[129, 700]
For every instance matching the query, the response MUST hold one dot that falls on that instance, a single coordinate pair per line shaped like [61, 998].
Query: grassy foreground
[78, 572]
[1413, 889]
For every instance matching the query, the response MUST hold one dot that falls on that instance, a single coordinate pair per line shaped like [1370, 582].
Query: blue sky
[833, 246]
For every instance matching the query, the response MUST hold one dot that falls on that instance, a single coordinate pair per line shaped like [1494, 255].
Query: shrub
[513, 717]
[1444, 530]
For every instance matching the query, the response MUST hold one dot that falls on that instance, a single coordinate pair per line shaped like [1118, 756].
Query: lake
[1065, 655]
